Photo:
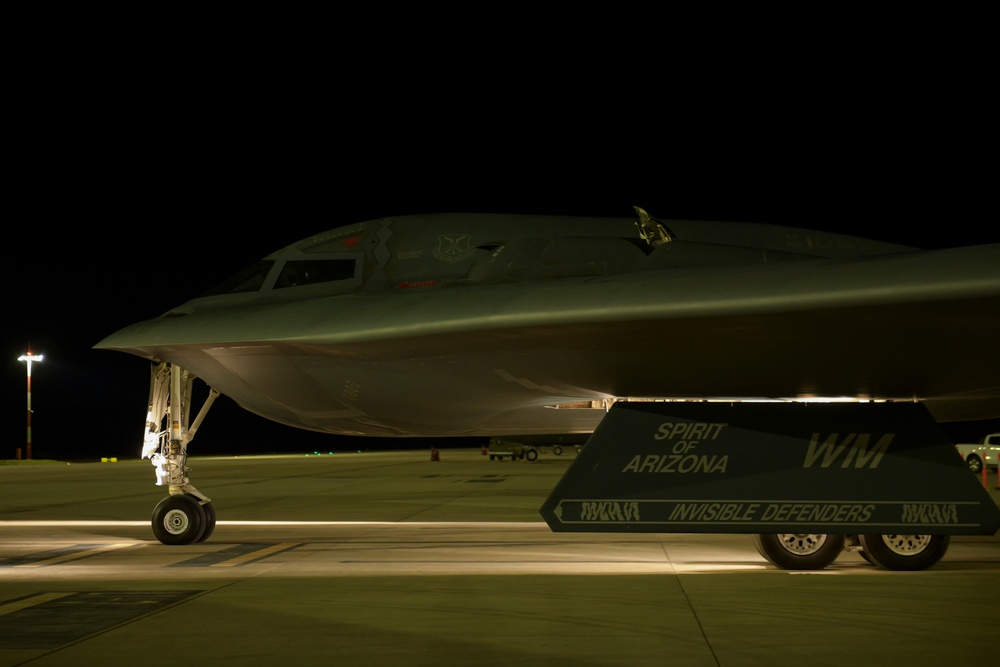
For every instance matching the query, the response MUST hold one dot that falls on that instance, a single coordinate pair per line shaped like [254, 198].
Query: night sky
[139, 200]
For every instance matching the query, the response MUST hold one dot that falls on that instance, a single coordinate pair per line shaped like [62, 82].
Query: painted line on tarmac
[238, 555]
[30, 601]
[57, 556]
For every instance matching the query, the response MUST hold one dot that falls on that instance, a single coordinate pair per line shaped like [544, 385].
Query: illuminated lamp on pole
[30, 359]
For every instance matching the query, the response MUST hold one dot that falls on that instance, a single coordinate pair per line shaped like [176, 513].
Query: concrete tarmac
[390, 558]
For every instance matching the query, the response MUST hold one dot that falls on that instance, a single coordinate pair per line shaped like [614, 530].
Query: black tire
[178, 519]
[799, 551]
[557, 450]
[975, 463]
[209, 521]
[905, 552]
[531, 454]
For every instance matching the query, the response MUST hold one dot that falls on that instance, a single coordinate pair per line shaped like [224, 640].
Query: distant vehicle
[529, 447]
[502, 449]
[984, 453]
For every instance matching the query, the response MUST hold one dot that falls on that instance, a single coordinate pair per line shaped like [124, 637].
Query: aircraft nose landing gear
[183, 519]
[186, 516]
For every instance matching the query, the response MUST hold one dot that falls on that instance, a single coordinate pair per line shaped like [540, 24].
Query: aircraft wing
[469, 345]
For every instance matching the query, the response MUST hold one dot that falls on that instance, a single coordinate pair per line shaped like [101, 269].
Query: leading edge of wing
[967, 276]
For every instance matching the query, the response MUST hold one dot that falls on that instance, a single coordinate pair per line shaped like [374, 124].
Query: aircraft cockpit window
[250, 279]
[296, 273]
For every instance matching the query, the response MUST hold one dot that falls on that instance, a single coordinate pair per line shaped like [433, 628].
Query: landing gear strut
[186, 516]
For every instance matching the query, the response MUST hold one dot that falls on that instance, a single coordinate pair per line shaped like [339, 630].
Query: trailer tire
[793, 551]
[904, 552]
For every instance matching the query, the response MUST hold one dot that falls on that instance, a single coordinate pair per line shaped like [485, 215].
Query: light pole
[29, 358]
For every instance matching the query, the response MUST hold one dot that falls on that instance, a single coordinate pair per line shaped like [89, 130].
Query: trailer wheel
[799, 551]
[904, 552]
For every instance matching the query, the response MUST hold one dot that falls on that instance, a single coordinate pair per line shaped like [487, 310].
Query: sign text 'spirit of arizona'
[762, 467]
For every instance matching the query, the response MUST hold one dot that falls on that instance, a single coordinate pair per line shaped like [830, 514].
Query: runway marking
[30, 601]
[125, 524]
[63, 524]
[56, 556]
[51, 620]
[258, 555]
[239, 555]
[488, 478]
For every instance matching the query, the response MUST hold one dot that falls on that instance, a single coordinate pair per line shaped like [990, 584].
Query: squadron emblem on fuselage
[453, 248]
